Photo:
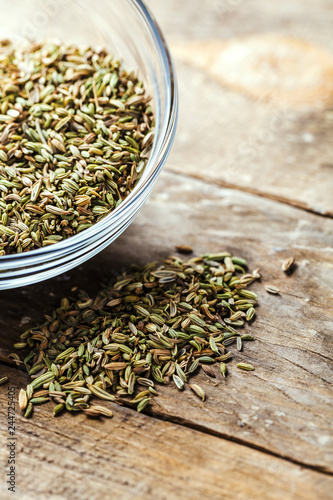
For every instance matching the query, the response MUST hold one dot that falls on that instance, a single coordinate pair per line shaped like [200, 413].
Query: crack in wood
[206, 430]
[255, 192]
[303, 367]
[212, 432]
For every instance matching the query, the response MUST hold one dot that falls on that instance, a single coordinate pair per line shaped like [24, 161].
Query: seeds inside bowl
[75, 133]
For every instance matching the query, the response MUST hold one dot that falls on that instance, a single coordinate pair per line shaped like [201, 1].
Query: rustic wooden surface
[272, 146]
[260, 435]
[139, 456]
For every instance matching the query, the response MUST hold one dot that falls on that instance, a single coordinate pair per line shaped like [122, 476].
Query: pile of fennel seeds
[156, 325]
[75, 133]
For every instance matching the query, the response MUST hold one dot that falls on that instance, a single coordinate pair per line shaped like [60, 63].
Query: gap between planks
[206, 430]
[254, 192]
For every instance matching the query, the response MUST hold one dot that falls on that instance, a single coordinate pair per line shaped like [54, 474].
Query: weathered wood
[243, 440]
[137, 456]
[285, 405]
[241, 123]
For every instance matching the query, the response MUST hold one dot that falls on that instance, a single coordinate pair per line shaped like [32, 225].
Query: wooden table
[251, 172]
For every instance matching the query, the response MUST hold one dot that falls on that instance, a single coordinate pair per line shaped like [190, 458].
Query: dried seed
[198, 391]
[180, 373]
[142, 405]
[23, 400]
[145, 381]
[29, 410]
[245, 366]
[100, 410]
[223, 368]
[58, 409]
[184, 249]
[206, 359]
[271, 289]
[236, 316]
[208, 370]
[178, 381]
[250, 313]
[42, 379]
[139, 397]
[20, 345]
[193, 366]
[37, 401]
[224, 357]
[256, 274]
[213, 346]
[91, 412]
[115, 366]
[239, 261]
[29, 391]
[100, 393]
[229, 265]
[287, 264]
[247, 337]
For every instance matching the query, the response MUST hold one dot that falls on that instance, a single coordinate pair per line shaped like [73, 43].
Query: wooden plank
[285, 406]
[253, 426]
[137, 456]
[260, 123]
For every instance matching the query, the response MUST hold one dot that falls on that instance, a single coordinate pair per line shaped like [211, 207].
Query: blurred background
[256, 92]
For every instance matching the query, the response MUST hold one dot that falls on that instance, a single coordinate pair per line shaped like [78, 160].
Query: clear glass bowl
[130, 32]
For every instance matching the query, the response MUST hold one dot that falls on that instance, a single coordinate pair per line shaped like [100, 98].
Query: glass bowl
[128, 30]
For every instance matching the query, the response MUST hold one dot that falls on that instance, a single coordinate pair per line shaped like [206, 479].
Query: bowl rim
[156, 159]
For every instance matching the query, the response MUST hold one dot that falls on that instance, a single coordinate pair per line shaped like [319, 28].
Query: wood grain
[137, 456]
[285, 406]
[265, 434]
[232, 134]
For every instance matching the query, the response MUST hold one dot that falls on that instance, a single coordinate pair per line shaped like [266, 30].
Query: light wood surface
[260, 123]
[260, 435]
